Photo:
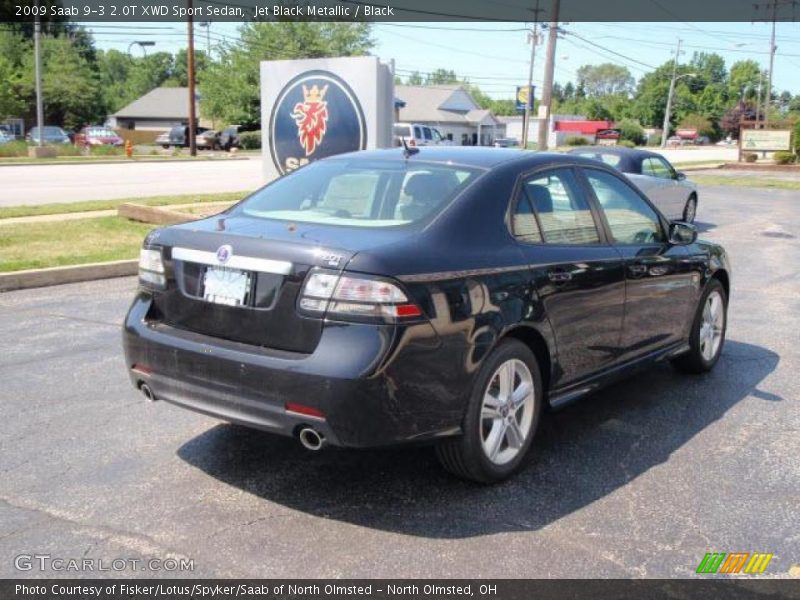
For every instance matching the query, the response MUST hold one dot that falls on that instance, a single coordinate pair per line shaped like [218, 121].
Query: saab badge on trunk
[224, 253]
[316, 115]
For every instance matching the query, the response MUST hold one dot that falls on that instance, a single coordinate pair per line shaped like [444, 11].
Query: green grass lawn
[72, 207]
[746, 181]
[58, 243]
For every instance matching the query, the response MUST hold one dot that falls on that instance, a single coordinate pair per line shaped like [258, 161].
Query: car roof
[634, 153]
[484, 157]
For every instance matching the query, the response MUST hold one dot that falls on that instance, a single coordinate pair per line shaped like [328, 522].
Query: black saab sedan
[447, 295]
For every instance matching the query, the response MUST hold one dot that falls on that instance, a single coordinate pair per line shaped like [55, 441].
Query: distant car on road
[178, 137]
[98, 136]
[678, 141]
[50, 135]
[417, 134]
[668, 189]
[506, 143]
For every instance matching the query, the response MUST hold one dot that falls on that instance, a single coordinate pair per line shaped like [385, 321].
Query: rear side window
[426, 131]
[630, 218]
[361, 193]
[402, 130]
[561, 208]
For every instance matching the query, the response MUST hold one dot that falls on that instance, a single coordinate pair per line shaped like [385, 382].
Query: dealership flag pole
[190, 74]
[37, 50]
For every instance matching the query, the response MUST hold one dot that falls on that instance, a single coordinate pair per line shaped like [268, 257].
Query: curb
[33, 278]
[120, 161]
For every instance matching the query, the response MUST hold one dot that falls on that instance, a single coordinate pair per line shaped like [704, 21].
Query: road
[640, 480]
[43, 184]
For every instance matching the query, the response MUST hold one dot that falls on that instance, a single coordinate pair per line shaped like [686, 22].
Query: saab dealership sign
[322, 107]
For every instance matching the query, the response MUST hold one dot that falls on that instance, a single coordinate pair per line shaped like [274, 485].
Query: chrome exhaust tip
[311, 440]
[147, 393]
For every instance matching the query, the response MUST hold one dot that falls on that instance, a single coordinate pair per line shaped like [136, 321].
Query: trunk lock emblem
[224, 253]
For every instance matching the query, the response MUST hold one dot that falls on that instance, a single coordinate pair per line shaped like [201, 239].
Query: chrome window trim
[245, 263]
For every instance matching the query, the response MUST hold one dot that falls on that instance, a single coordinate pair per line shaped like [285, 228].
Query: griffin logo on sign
[311, 116]
[315, 115]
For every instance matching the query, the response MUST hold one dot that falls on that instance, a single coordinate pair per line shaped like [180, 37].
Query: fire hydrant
[128, 149]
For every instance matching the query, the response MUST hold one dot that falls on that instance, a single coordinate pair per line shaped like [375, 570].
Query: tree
[604, 79]
[230, 87]
[730, 121]
[415, 79]
[743, 80]
[702, 124]
[442, 77]
[11, 104]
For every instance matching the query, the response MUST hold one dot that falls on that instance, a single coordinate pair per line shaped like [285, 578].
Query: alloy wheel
[507, 411]
[712, 326]
[690, 211]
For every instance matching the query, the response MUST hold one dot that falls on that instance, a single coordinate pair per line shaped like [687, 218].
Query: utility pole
[37, 50]
[772, 48]
[529, 104]
[190, 73]
[774, 6]
[549, 68]
[758, 97]
[207, 25]
[665, 128]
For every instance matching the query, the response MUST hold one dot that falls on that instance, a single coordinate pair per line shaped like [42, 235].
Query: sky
[495, 56]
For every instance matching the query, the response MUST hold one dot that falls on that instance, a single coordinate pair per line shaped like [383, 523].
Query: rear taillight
[355, 296]
[151, 268]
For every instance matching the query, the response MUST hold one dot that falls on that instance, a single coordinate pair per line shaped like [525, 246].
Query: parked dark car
[178, 137]
[50, 135]
[98, 136]
[447, 296]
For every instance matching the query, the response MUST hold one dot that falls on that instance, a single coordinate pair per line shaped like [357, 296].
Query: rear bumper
[375, 384]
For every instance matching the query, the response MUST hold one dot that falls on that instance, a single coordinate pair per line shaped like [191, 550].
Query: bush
[626, 144]
[107, 150]
[576, 140]
[784, 158]
[13, 149]
[797, 137]
[654, 140]
[750, 157]
[632, 131]
[250, 140]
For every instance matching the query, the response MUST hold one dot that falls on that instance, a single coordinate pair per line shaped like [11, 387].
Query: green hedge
[576, 140]
[784, 157]
[250, 140]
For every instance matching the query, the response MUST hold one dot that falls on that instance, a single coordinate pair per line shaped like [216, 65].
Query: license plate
[226, 286]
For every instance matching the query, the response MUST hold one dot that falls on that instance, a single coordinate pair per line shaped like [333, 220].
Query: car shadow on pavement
[703, 227]
[582, 454]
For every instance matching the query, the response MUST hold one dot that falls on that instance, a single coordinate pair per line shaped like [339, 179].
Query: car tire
[491, 448]
[708, 331]
[165, 146]
[690, 210]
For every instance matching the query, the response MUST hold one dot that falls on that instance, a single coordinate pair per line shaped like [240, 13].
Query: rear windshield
[360, 193]
[606, 157]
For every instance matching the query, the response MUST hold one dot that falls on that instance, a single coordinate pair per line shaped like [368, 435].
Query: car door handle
[559, 276]
[638, 269]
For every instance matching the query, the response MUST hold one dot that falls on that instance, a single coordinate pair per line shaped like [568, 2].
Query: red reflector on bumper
[301, 409]
[142, 369]
[408, 310]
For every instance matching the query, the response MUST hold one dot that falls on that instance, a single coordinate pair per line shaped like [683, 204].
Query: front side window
[630, 218]
[360, 193]
[426, 131]
[563, 211]
[656, 167]
[417, 133]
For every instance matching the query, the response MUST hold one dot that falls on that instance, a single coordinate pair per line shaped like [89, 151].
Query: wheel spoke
[506, 377]
[520, 394]
[495, 439]
[514, 434]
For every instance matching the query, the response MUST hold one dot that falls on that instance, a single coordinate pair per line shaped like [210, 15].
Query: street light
[142, 44]
[665, 132]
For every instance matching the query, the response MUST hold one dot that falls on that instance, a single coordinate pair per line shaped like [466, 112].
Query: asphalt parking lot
[640, 480]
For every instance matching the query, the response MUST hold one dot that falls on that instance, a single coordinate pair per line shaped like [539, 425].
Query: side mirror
[680, 176]
[682, 234]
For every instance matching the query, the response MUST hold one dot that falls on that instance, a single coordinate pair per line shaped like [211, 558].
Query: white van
[417, 134]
